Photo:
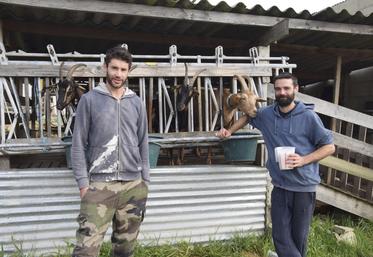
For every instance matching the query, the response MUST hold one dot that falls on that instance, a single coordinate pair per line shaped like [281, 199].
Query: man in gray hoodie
[110, 161]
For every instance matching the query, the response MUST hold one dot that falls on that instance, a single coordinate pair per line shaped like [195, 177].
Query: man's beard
[285, 101]
[110, 82]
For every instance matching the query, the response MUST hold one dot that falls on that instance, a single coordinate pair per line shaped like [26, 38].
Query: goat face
[66, 93]
[187, 90]
[248, 103]
[184, 96]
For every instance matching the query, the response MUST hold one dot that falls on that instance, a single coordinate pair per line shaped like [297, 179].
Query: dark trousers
[291, 218]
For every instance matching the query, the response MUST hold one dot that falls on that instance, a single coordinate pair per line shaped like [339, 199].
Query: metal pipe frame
[167, 113]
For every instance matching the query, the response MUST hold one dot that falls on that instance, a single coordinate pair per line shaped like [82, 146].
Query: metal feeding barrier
[28, 106]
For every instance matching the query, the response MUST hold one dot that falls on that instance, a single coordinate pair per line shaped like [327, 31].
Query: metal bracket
[102, 58]
[173, 55]
[253, 52]
[52, 54]
[219, 55]
[3, 58]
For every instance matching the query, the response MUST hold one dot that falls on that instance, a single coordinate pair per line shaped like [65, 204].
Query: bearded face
[285, 92]
[114, 82]
[117, 73]
[285, 100]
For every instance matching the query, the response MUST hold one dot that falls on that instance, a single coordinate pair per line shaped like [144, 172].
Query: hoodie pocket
[307, 175]
[130, 158]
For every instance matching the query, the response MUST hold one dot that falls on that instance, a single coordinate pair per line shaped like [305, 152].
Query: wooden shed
[322, 47]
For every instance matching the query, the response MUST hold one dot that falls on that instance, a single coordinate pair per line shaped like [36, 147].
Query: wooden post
[337, 87]
[1, 32]
[150, 105]
[264, 51]
[359, 161]
[370, 183]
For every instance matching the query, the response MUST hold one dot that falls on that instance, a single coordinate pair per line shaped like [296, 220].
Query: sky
[298, 5]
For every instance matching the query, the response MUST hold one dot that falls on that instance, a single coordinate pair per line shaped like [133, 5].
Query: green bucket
[154, 149]
[241, 148]
[68, 139]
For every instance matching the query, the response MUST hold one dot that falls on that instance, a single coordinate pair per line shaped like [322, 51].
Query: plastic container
[281, 154]
[154, 149]
[68, 139]
[241, 146]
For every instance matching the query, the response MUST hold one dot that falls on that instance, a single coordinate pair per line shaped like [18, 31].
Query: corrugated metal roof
[31, 29]
[327, 14]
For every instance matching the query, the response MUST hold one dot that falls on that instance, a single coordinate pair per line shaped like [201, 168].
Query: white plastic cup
[281, 154]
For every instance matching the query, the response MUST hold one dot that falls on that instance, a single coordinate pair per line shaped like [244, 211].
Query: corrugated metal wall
[196, 203]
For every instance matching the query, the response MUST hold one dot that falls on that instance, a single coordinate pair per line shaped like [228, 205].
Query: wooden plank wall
[355, 185]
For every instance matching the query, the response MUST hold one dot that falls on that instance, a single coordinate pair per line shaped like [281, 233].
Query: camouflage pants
[123, 204]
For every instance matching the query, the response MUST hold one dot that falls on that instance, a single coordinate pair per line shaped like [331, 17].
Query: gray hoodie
[110, 140]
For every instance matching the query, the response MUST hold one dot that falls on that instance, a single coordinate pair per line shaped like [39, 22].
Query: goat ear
[261, 100]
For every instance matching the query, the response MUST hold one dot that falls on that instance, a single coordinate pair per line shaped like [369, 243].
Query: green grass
[240, 245]
[322, 243]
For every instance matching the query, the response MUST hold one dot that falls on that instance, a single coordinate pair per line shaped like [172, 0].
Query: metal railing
[25, 113]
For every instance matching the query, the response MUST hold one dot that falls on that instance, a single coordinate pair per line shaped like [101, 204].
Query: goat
[68, 89]
[186, 91]
[245, 101]
[184, 94]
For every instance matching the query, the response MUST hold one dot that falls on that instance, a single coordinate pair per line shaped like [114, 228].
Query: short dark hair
[286, 75]
[118, 52]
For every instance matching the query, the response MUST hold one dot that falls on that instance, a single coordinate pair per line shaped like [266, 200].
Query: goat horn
[73, 69]
[242, 82]
[61, 78]
[249, 80]
[195, 76]
[186, 74]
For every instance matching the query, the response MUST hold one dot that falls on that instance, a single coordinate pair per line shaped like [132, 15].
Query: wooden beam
[324, 26]
[337, 87]
[332, 110]
[344, 201]
[352, 144]
[348, 167]
[115, 35]
[142, 70]
[1, 32]
[322, 51]
[110, 7]
[277, 32]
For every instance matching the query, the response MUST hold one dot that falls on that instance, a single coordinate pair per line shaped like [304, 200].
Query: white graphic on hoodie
[111, 147]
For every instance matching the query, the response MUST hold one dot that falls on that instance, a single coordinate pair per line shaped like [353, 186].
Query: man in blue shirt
[290, 123]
